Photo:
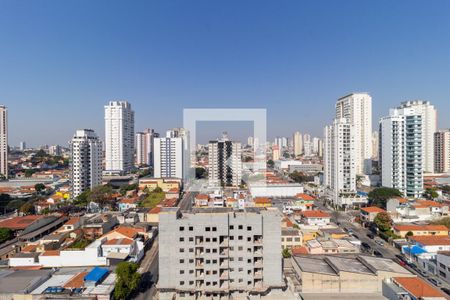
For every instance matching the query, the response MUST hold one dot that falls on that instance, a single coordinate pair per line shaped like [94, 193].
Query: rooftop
[372, 209]
[432, 240]
[315, 214]
[19, 223]
[418, 287]
[413, 227]
[121, 242]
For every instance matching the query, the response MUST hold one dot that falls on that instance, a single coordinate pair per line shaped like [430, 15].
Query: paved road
[149, 271]
[187, 200]
[386, 250]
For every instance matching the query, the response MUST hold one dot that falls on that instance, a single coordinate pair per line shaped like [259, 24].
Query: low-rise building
[291, 238]
[349, 274]
[410, 288]
[368, 214]
[420, 230]
[315, 217]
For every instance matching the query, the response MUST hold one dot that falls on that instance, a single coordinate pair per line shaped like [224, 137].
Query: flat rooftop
[22, 281]
[314, 265]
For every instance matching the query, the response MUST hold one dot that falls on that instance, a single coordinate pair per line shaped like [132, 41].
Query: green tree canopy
[379, 196]
[430, 193]
[39, 187]
[383, 221]
[100, 194]
[200, 173]
[286, 253]
[127, 279]
[129, 187]
[270, 163]
[27, 208]
[5, 234]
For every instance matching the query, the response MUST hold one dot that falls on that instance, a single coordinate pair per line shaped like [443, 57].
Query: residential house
[368, 214]
[420, 230]
[315, 218]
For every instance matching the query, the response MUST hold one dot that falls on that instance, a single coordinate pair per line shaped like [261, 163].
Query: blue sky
[61, 61]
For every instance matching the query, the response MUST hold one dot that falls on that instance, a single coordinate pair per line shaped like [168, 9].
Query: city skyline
[289, 63]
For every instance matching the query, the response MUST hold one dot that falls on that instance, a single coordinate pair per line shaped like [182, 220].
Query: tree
[39, 187]
[29, 172]
[409, 233]
[270, 163]
[127, 279]
[200, 173]
[430, 193]
[130, 187]
[5, 235]
[27, 208]
[100, 194]
[379, 196]
[286, 253]
[300, 177]
[383, 221]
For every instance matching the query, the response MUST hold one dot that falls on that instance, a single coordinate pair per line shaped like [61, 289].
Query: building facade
[86, 161]
[168, 157]
[428, 114]
[442, 151]
[357, 108]
[144, 147]
[340, 162]
[298, 143]
[219, 253]
[4, 141]
[225, 163]
[119, 138]
[401, 152]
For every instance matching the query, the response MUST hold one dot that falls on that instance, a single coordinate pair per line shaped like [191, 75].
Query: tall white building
[307, 144]
[340, 163]
[55, 150]
[144, 147]
[225, 164]
[22, 146]
[119, 137]
[401, 152]
[85, 162]
[298, 143]
[429, 127]
[4, 141]
[357, 108]
[168, 157]
[375, 145]
[442, 151]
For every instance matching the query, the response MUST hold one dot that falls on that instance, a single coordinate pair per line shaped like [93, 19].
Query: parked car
[370, 236]
[446, 290]
[434, 281]
[365, 245]
[377, 253]
[379, 242]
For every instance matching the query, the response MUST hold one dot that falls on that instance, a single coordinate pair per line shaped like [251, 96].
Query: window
[181, 282]
[181, 239]
[231, 227]
[181, 272]
[249, 228]
[249, 239]
[181, 261]
[191, 228]
[241, 259]
[214, 240]
[191, 282]
[208, 228]
[231, 238]
[191, 239]
[249, 261]
[191, 271]
[240, 227]
[214, 229]
[240, 237]
[191, 261]
[191, 250]
[181, 250]
[240, 248]
[181, 228]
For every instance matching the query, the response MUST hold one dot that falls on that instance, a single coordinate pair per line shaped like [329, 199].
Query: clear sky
[61, 61]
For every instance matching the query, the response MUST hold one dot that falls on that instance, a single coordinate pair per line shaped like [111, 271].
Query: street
[149, 272]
